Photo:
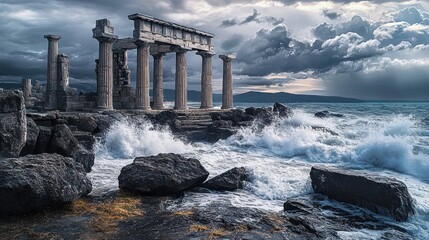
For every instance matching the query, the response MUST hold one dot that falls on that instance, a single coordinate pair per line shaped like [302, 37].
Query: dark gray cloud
[331, 14]
[232, 42]
[229, 23]
[251, 18]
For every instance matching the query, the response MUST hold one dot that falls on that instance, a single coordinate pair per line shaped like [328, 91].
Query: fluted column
[142, 81]
[26, 88]
[52, 74]
[206, 80]
[103, 32]
[227, 92]
[181, 87]
[158, 90]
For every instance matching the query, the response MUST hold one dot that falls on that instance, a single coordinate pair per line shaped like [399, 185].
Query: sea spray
[135, 138]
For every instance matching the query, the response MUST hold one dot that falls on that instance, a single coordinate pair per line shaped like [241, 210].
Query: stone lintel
[52, 37]
[227, 57]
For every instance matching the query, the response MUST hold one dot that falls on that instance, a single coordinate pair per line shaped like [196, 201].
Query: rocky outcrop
[43, 139]
[228, 181]
[380, 195]
[164, 174]
[32, 135]
[13, 123]
[34, 182]
[282, 110]
[326, 114]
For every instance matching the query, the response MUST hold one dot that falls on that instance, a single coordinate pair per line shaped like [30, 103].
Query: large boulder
[228, 181]
[13, 123]
[83, 123]
[64, 143]
[34, 182]
[164, 174]
[32, 135]
[282, 110]
[379, 194]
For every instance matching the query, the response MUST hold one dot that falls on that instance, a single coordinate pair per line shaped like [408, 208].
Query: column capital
[227, 57]
[103, 31]
[158, 55]
[52, 37]
[205, 54]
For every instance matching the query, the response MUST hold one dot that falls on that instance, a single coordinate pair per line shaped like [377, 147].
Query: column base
[181, 108]
[206, 107]
[226, 108]
[104, 108]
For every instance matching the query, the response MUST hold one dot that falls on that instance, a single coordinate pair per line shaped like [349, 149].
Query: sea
[388, 139]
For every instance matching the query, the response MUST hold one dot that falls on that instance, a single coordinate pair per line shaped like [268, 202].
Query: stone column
[158, 90]
[51, 84]
[62, 81]
[26, 88]
[103, 32]
[142, 81]
[181, 85]
[206, 80]
[227, 93]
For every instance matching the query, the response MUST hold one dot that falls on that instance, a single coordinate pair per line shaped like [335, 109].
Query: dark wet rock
[34, 182]
[282, 110]
[326, 114]
[84, 157]
[317, 214]
[43, 139]
[32, 135]
[228, 181]
[164, 174]
[323, 129]
[378, 194]
[13, 123]
[47, 119]
[86, 139]
[63, 141]
[83, 122]
[60, 121]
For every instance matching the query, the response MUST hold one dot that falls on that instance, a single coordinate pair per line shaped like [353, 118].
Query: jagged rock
[86, 139]
[34, 182]
[228, 181]
[84, 123]
[32, 135]
[63, 141]
[164, 174]
[84, 157]
[282, 110]
[378, 194]
[13, 123]
[325, 114]
[43, 139]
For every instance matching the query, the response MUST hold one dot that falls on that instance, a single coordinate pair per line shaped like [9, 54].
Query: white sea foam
[129, 138]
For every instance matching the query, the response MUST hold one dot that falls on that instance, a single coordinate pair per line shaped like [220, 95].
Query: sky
[374, 50]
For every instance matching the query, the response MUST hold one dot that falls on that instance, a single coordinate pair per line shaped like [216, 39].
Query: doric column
[62, 81]
[142, 81]
[206, 80]
[227, 97]
[103, 32]
[51, 84]
[26, 88]
[158, 90]
[181, 85]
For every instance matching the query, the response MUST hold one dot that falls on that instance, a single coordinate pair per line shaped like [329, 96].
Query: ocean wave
[131, 138]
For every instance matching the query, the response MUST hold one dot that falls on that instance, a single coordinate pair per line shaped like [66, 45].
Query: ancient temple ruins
[151, 37]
